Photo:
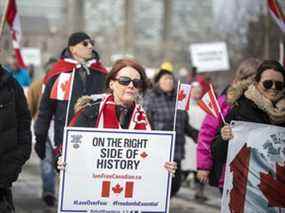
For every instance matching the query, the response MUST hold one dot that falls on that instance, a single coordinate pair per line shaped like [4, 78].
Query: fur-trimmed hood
[236, 90]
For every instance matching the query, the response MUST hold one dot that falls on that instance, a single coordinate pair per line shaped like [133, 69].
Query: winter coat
[15, 134]
[251, 107]
[103, 113]
[207, 135]
[21, 75]
[52, 106]
[160, 108]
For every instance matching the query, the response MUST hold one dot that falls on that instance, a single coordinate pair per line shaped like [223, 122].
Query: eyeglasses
[125, 81]
[268, 84]
[86, 42]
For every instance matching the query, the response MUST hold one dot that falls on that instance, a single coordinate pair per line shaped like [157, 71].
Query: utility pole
[167, 26]
[129, 26]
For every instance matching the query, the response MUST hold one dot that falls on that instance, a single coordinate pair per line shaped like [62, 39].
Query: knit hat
[77, 37]
[161, 73]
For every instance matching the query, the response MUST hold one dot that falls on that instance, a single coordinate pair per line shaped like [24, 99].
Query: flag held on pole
[210, 105]
[277, 14]
[183, 97]
[13, 20]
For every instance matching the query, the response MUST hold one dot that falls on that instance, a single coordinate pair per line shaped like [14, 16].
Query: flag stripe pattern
[13, 19]
[105, 189]
[277, 14]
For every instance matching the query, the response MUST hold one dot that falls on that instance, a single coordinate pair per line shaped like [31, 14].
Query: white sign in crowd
[118, 171]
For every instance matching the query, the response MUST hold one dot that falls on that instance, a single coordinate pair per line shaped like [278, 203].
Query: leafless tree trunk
[129, 26]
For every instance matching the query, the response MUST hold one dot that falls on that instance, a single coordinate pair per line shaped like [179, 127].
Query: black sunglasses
[268, 84]
[86, 42]
[125, 81]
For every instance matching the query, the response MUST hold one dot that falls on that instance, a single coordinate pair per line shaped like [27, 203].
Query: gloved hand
[40, 148]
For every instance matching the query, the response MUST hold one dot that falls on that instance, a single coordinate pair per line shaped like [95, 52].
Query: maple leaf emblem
[143, 155]
[117, 189]
[181, 95]
[63, 86]
[274, 189]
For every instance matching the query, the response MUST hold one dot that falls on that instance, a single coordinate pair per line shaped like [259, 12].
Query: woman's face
[196, 92]
[271, 84]
[126, 86]
[166, 83]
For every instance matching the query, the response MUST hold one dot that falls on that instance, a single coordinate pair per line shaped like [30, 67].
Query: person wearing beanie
[77, 72]
[159, 104]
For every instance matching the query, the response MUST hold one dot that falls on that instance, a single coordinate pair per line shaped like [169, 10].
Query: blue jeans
[48, 171]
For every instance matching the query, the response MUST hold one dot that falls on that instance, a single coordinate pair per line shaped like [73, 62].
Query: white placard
[208, 57]
[31, 55]
[118, 171]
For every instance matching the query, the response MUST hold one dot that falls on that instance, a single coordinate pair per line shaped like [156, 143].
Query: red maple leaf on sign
[117, 189]
[181, 95]
[273, 188]
[144, 155]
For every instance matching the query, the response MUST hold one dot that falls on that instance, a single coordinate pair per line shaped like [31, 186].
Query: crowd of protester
[256, 94]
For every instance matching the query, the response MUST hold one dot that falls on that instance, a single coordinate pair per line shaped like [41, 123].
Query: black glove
[40, 148]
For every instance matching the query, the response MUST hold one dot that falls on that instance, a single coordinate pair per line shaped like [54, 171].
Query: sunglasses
[268, 84]
[125, 81]
[85, 43]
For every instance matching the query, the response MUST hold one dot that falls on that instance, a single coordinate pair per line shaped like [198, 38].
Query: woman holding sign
[262, 102]
[118, 108]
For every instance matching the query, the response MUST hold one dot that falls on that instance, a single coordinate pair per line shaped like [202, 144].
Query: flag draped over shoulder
[277, 14]
[13, 20]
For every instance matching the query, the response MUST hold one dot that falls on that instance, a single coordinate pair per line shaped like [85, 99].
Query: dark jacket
[160, 108]
[244, 110]
[57, 109]
[15, 134]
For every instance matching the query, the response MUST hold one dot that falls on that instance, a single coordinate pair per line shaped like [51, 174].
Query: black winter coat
[15, 134]
[56, 109]
[244, 110]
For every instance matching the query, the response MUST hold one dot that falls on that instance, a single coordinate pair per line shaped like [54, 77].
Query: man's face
[82, 50]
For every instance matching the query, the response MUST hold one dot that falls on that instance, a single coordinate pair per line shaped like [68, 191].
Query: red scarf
[107, 117]
[67, 65]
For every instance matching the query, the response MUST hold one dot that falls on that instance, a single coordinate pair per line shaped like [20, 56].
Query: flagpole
[175, 112]
[3, 18]
[69, 98]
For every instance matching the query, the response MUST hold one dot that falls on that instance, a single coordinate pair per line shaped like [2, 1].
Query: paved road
[27, 192]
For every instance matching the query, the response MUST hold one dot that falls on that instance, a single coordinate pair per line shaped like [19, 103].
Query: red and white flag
[127, 189]
[277, 14]
[13, 19]
[209, 103]
[61, 87]
[183, 97]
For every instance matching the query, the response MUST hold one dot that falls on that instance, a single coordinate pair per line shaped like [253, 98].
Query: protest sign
[118, 171]
[255, 169]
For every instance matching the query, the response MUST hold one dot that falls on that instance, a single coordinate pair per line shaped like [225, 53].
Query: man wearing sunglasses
[78, 72]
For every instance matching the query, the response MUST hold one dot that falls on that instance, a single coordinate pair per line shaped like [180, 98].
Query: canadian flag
[209, 103]
[61, 87]
[13, 19]
[117, 189]
[183, 97]
[277, 14]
